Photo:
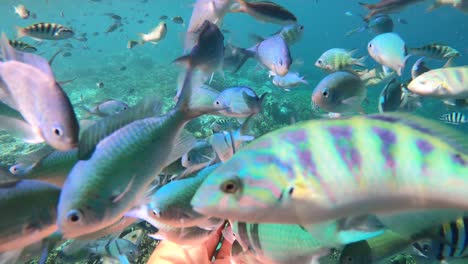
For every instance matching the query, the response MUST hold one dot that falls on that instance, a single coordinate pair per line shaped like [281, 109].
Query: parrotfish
[296, 174]
[445, 83]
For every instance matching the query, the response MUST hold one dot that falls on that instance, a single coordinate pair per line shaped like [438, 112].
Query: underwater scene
[234, 131]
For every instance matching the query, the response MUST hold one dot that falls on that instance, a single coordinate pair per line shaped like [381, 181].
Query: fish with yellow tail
[296, 174]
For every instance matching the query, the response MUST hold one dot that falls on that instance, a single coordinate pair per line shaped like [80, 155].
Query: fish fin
[34, 158]
[246, 54]
[415, 70]
[182, 144]
[256, 38]
[386, 70]
[431, 8]
[449, 63]
[430, 127]
[352, 101]
[185, 60]
[238, 7]
[20, 32]
[67, 81]
[402, 67]
[360, 61]
[20, 129]
[331, 233]
[11, 256]
[157, 236]
[108, 125]
[356, 30]
[51, 60]
[121, 195]
[9, 53]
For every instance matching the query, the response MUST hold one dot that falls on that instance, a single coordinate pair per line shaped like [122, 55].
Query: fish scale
[367, 170]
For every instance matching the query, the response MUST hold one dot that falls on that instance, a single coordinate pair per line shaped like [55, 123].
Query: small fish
[50, 31]
[290, 80]
[156, 35]
[178, 20]
[225, 143]
[389, 50]
[388, 6]
[225, 31]
[67, 54]
[36, 219]
[279, 243]
[294, 164]
[113, 16]
[164, 17]
[419, 67]
[22, 11]
[123, 68]
[100, 85]
[337, 59]
[22, 46]
[239, 102]
[454, 118]
[113, 27]
[118, 249]
[106, 108]
[378, 24]
[46, 164]
[446, 83]
[131, 44]
[170, 204]
[447, 244]
[435, 51]
[201, 153]
[223, 124]
[461, 5]
[340, 92]
[273, 53]
[292, 33]
[266, 11]
[31, 89]
[391, 97]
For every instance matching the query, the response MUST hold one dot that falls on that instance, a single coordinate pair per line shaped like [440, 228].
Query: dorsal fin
[430, 127]
[108, 125]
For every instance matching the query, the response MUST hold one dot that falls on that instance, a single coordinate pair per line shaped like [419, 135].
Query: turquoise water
[147, 70]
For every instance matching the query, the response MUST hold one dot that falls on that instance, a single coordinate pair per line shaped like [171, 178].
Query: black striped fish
[454, 118]
[452, 243]
[435, 51]
[22, 46]
[49, 31]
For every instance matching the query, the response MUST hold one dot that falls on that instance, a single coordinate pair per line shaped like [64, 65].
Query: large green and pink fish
[318, 171]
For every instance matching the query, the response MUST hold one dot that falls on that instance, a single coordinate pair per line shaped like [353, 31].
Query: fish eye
[350, 259]
[325, 93]
[280, 62]
[319, 61]
[370, 45]
[301, 27]
[131, 252]
[74, 216]
[230, 186]
[217, 102]
[57, 131]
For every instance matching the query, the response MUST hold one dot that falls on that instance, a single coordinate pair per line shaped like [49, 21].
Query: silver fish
[46, 108]
[106, 108]
[239, 101]
[273, 53]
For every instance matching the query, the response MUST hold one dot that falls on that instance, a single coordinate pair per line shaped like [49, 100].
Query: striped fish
[292, 33]
[435, 51]
[50, 31]
[337, 59]
[454, 118]
[451, 242]
[327, 169]
[276, 243]
[444, 83]
[22, 46]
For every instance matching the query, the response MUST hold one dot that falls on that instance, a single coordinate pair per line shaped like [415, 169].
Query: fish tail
[431, 8]
[141, 35]
[245, 56]
[20, 32]
[368, 6]
[239, 7]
